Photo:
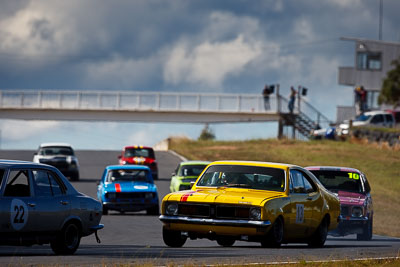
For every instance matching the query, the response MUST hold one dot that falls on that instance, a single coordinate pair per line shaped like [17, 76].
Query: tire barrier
[392, 139]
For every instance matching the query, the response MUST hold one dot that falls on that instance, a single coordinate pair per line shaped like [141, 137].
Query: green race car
[186, 172]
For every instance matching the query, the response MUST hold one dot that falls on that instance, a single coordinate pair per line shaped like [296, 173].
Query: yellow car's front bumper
[218, 226]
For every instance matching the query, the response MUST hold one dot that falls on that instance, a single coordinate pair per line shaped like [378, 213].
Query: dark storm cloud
[232, 46]
[129, 44]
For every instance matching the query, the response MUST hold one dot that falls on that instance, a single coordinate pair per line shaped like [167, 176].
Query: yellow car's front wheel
[173, 238]
[274, 237]
[225, 241]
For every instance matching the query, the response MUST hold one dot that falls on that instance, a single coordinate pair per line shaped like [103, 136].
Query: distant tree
[390, 92]
[206, 133]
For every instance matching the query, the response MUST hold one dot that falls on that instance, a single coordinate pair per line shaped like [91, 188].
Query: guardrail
[156, 101]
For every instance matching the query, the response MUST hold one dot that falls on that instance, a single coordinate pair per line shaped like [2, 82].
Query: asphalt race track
[136, 237]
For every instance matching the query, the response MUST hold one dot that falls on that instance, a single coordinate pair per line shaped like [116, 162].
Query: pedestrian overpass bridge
[127, 106]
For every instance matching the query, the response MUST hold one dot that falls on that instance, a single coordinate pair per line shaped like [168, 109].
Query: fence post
[40, 99]
[158, 101]
[298, 99]
[278, 99]
[99, 100]
[78, 100]
[118, 100]
[22, 99]
[198, 102]
[60, 100]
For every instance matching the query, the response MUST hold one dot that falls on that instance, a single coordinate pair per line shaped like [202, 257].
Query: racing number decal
[19, 214]
[299, 213]
[139, 160]
[354, 176]
[19, 217]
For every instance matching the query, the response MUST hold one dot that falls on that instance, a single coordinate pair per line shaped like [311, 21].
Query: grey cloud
[41, 28]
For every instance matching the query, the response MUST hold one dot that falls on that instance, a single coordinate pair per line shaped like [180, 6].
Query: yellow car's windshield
[240, 176]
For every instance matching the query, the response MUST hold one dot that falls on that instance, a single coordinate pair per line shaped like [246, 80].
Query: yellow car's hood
[224, 195]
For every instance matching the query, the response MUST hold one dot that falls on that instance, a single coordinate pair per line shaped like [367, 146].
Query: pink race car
[353, 190]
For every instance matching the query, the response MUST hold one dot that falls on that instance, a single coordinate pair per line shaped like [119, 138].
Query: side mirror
[35, 153]
[173, 174]
[119, 156]
[192, 184]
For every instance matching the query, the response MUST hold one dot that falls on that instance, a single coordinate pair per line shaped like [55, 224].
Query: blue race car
[128, 188]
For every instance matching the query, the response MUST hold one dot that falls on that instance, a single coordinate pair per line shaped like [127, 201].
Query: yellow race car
[270, 203]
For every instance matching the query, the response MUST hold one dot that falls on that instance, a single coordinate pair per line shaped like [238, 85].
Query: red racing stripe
[185, 196]
[117, 188]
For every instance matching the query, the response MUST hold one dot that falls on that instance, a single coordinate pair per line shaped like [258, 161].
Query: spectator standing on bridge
[292, 98]
[266, 92]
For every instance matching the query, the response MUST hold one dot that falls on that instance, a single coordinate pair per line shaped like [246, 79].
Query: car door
[296, 226]
[389, 121]
[17, 202]
[378, 120]
[52, 204]
[314, 203]
[303, 200]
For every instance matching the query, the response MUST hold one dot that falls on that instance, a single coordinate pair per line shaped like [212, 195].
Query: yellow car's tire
[173, 238]
[225, 241]
[319, 237]
[274, 237]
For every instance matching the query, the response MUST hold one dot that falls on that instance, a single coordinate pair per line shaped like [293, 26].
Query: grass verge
[381, 166]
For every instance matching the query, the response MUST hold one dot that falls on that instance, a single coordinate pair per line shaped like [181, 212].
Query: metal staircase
[301, 122]
[304, 120]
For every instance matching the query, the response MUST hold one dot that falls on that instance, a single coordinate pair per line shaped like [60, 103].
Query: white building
[372, 61]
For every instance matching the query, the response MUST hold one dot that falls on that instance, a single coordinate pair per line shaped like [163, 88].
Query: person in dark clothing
[266, 92]
[292, 99]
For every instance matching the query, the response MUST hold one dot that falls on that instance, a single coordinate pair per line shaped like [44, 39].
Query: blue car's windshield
[128, 175]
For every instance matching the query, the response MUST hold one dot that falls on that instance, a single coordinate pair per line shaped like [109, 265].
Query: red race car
[140, 155]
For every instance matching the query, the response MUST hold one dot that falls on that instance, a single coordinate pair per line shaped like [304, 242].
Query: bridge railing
[155, 101]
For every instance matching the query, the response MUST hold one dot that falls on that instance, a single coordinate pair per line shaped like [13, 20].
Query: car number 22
[19, 214]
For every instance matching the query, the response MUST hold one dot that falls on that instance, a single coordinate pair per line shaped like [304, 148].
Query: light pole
[380, 19]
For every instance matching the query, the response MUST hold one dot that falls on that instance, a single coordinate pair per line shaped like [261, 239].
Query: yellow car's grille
[213, 211]
[227, 212]
[194, 210]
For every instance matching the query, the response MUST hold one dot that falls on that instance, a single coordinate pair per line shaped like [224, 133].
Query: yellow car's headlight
[171, 209]
[255, 213]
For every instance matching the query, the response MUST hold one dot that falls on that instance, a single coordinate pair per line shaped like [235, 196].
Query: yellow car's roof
[254, 163]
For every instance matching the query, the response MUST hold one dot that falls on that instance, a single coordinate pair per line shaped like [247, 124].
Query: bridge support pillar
[280, 128]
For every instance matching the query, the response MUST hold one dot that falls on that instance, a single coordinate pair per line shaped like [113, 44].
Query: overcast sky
[226, 46]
